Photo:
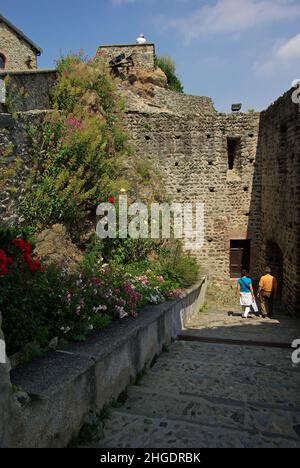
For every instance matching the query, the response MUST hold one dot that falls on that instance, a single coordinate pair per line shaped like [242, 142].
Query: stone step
[125, 430]
[228, 414]
[226, 381]
[225, 355]
[247, 325]
[244, 333]
[235, 316]
[211, 395]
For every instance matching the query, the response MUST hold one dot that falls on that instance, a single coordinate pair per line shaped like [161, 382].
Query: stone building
[17, 51]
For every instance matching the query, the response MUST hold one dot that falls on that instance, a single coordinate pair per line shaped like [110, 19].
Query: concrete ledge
[39, 71]
[65, 385]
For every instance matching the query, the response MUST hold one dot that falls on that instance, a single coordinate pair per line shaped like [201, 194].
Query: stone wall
[277, 177]
[28, 90]
[14, 144]
[257, 200]
[57, 392]
[188, 144]
[143, 55]
[5, 387]
[16, 51]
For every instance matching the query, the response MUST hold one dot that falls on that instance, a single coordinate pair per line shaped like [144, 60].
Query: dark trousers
[266, 302]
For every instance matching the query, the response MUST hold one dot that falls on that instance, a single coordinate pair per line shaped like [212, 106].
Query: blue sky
[232, 50]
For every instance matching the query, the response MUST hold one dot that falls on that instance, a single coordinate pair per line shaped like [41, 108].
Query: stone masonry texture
[28, 90]
[189, 146]
[143, 55]
[277, 177]
[17, 52]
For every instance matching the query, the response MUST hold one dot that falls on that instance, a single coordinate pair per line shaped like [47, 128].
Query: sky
[234, 51]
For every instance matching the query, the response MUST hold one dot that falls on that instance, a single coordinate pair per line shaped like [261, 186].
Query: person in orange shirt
[267, 292]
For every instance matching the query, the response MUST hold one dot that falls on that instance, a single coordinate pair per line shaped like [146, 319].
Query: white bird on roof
[141, 39]
[295, 83]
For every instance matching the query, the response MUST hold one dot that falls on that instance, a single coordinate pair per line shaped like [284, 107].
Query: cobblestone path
[240, 391]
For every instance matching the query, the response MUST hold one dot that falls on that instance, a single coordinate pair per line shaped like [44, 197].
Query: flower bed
[40, 302]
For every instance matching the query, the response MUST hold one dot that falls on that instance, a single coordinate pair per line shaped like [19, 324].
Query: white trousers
[246, 310]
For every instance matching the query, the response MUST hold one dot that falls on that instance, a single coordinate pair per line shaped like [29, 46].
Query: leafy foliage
[81, 154]
[167, 65]
[40, 302]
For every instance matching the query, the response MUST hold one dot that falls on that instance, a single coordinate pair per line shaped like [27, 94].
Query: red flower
[3, 257]
[24, 246]
[111, 200]
[33, 265]
[3, 270]
[4, 262]
[36, 266]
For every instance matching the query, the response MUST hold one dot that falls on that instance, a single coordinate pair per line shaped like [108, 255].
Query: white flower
[122, 313]
[100, 308]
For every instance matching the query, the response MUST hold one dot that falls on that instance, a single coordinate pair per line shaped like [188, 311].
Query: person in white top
[141, 39]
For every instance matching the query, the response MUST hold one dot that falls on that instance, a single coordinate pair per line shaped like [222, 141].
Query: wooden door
[239, 257]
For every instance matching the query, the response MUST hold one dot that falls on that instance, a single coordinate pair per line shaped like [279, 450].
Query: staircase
[202, 394]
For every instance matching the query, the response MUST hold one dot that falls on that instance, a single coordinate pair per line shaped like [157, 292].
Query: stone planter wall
[54, 394]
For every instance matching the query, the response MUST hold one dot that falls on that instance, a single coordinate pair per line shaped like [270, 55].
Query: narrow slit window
[233, 147]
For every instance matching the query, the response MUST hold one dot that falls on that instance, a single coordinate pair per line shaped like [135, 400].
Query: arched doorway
[2, 62]
[274, 258]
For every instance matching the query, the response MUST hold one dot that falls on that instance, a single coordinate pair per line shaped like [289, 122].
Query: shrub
[81, 153]
[167, 65]
[175, 265]
[26, 295]
[40, 302]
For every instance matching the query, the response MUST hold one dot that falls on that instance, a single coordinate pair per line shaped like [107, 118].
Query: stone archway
[274, 259]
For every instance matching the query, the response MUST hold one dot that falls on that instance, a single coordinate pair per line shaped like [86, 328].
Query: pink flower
[96, 281]
[144, 280]
[69, 298]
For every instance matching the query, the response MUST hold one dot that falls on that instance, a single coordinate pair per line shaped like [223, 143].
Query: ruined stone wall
[278, 173]
[190, 148]
[28, 90]
[143, 54]
[16, 51]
